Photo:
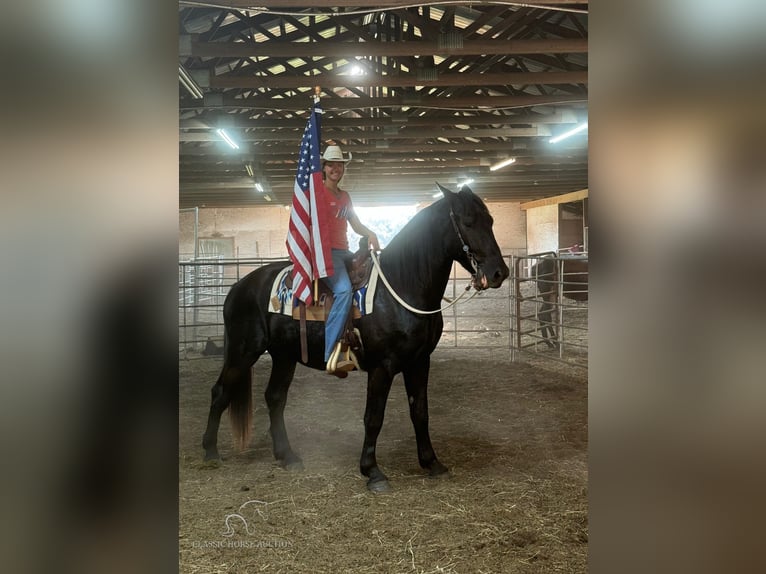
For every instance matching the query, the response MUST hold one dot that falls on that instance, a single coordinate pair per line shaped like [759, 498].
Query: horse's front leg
[416, 384]
[378, 386]
[282, 372]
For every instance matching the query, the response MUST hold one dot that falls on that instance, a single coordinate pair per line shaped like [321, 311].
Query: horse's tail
[241, 407]
[237, 375]
[245, 336]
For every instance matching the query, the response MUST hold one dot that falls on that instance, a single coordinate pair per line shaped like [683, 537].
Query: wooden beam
[566, 198]
[260, 135]
[336, 103]
[298, 4]
[448, 149]
[482, 119]
[328, 81]
[449, 172]
[392, 49]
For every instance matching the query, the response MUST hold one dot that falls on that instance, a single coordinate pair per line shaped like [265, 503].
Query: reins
[406, 305]
[403, 303]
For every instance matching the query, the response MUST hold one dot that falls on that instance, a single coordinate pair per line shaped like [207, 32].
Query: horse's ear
[446, 192]
[453, 198]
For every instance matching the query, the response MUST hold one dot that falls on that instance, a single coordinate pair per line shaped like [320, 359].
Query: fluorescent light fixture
[259, 187]
[437, 195]
[188, 82]
[468, 181]
[502, 164]
[571, 132]
[267, 197]
[249, 169]
[227, 138]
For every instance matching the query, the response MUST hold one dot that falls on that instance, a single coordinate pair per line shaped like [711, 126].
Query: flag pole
[317, 90]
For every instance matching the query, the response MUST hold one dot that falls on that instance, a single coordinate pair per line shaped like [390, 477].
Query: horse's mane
[413, 254]
[415, 227]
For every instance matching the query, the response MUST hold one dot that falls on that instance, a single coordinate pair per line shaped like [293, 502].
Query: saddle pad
[283, 302]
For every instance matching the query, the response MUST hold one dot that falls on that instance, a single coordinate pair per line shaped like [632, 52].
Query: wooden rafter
[448, 90]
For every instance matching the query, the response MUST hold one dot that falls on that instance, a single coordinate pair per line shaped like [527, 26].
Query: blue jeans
[343, 295]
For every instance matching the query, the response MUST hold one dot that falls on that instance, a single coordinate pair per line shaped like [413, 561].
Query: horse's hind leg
[282, 372]
[546, 325]
[232, 382]
[233, 389]
[220, 398]
[416, 384]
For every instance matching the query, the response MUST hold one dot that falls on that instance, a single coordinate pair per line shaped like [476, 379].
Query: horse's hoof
[210, 463]
[379, 486]
[446, 475]
[212, 454]
[438, 470]
[292, 465]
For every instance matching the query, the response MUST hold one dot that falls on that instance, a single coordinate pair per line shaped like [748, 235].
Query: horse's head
[478, 252]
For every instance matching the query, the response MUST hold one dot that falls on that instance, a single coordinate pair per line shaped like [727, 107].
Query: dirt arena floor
[513, 435]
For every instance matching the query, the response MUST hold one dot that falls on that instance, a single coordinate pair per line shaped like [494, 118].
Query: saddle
[359, 268]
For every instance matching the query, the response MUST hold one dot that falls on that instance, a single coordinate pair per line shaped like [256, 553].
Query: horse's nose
[500, 274]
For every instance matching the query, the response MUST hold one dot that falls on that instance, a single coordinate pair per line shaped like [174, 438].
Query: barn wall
[261, 231]
[570, 230]
[543, 228]
[257, 231]
[510, 226]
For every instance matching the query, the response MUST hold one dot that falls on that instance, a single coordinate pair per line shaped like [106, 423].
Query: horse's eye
[468, 221]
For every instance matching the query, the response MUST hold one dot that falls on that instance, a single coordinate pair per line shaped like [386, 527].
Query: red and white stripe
[308, 246]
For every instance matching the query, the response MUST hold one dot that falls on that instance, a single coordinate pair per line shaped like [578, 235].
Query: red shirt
[340, 208]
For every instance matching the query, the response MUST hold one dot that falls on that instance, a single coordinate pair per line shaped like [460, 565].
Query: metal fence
[202, 288]
[567, 320]
[504, 320]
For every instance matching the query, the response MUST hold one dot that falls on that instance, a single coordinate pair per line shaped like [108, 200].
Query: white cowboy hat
[334, 153]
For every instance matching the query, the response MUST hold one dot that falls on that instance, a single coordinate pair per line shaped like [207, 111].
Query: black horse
[417, 264]
[572, 273]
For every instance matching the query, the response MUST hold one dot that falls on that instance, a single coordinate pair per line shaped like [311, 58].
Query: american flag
[308, 247]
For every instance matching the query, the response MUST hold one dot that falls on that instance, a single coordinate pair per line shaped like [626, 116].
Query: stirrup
[344, 362]
[340, 365]
[343, 366]
[353, 359]
[332, 362]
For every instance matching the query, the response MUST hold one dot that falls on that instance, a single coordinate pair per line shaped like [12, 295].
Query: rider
[341, 214]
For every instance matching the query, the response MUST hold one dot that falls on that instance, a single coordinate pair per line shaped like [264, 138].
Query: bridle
[466, 248]
[471, 259]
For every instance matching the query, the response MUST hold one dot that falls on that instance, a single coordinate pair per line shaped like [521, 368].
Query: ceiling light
[437, 195]
[267, 197]
[571, 132]
[249, 169]
[502, 164]
[468, 181]
[227, 138]
[188, 82]
[259, 187]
